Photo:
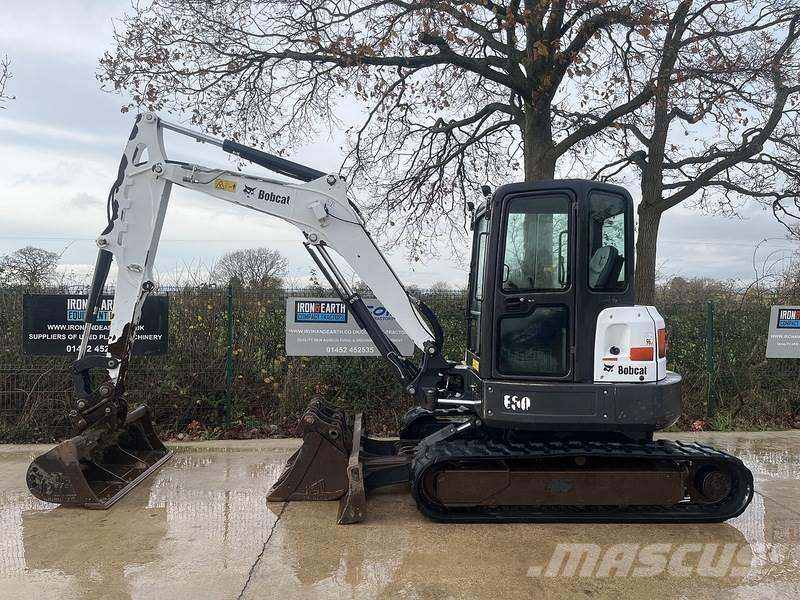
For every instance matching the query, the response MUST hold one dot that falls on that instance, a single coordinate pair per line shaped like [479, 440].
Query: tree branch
[5, 75]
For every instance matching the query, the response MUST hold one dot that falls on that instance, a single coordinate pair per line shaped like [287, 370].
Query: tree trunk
[538, 141]
[646, 243]
[652, 186]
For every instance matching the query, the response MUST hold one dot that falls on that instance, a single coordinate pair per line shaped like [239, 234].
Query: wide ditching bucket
[98, 467]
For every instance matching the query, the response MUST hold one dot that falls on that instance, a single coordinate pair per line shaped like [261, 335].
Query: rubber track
[479, 451]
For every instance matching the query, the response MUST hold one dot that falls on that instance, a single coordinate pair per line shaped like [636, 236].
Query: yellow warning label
[226, 185]
[475, 364]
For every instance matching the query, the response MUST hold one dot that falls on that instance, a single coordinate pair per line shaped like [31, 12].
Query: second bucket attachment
[318, 469]
[339, 462]
[95, 470]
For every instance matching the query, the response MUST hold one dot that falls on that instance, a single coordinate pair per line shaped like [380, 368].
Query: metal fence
[226, 369]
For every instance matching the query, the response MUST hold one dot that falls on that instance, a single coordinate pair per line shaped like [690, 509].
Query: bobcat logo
[249, 191]
[608, 368]
[516, 402]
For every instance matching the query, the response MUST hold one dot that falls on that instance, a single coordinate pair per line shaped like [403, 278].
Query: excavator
[550, 416]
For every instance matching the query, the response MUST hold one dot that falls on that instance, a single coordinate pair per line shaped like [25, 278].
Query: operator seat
[604, 268]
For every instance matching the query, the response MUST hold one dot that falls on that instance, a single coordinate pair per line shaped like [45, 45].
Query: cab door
[534, 291]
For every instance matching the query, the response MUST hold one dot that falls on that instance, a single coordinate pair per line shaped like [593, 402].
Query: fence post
[711, 403]
[229, 360]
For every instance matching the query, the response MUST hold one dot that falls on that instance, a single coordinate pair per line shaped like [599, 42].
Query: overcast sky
[60, 143]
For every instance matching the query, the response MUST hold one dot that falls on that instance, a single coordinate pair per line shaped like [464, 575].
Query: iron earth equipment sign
[783, 340]
[52, 325]
[324, 327]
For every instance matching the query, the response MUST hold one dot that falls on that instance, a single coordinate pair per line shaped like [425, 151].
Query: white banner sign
[324, 327]
[783, 340]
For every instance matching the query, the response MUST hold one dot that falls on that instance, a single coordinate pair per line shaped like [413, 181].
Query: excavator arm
[318, 206]
[316, 203]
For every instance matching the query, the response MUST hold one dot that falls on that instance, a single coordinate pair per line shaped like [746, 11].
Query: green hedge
[188, 384]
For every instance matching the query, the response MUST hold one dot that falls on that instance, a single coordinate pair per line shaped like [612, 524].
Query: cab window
[476, 283]
[536, 250]
[608, 229]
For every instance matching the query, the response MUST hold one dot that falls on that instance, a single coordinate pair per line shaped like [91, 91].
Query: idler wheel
[713, 484]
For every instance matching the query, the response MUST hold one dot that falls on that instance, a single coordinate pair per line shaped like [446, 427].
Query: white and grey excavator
[549, 417]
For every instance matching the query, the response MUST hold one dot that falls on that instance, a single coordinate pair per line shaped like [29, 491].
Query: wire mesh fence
[226, 369]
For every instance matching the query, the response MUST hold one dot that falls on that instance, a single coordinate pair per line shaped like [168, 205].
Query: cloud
[86, 201]
[697, 245]
[44, 133]
[74, 30]
[61, 141]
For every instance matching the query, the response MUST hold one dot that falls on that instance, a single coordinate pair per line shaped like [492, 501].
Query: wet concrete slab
[201, 528]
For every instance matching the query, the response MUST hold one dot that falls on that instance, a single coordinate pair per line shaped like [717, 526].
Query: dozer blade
[88, 470]
[353, 505]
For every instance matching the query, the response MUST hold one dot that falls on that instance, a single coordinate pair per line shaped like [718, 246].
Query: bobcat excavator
[550, 417]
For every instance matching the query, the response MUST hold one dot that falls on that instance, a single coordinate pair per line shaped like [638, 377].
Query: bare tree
[456, 94]
[722, 125]
[5, 75]
[252, 267]
[29, 267]
[440, 287]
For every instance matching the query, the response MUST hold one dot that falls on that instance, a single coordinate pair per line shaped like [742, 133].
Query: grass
[722, 421]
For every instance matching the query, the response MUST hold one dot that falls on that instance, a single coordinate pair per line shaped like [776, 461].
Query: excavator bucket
[91, 471]
[318, 469]
[338, 461]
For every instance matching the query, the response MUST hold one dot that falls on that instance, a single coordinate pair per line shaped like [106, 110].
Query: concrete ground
[201, 528]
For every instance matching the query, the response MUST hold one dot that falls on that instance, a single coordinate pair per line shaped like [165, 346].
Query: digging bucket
[318, 469]
[98, 467]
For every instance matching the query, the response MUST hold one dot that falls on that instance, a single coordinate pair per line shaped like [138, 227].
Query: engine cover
[627, 345]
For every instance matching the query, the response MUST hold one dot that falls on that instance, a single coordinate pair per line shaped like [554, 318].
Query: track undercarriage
[462, 471]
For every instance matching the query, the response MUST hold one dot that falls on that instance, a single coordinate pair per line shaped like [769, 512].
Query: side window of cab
[608, 216]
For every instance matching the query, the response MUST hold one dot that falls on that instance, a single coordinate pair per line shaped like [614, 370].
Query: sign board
[783, 340]
[52, 325]
[324, 327]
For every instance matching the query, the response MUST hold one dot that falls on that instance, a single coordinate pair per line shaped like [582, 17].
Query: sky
[61, 139]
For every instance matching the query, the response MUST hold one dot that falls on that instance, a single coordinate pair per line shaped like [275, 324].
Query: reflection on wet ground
[201, 528]
[192, 530]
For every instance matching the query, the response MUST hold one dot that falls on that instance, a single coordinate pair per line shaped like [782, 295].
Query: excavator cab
[547, 259]
[550, 261]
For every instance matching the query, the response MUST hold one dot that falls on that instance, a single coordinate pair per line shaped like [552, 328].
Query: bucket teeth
[98, 467]
[318, 469]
